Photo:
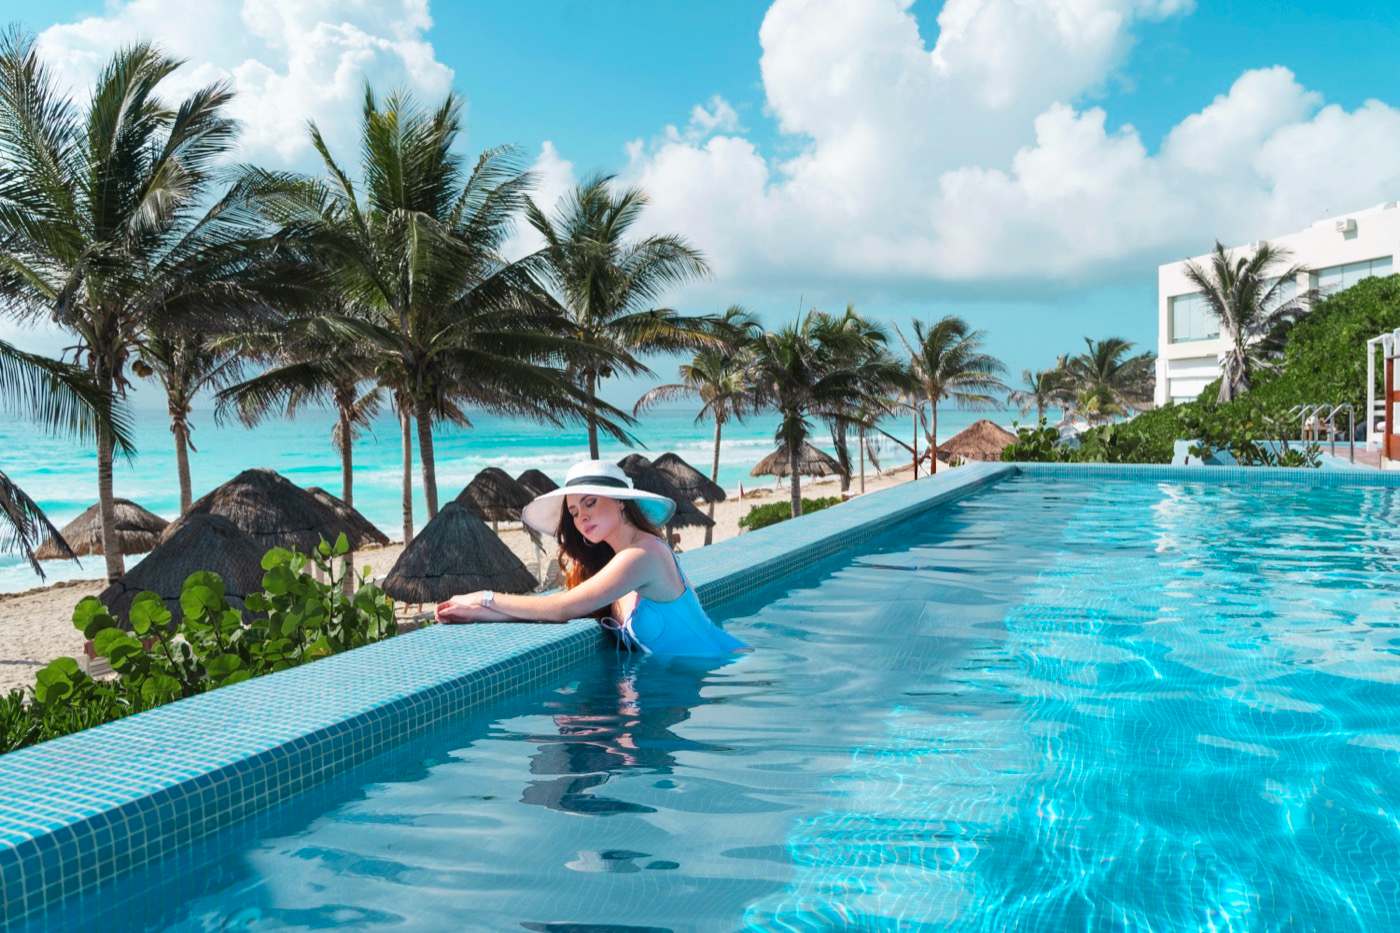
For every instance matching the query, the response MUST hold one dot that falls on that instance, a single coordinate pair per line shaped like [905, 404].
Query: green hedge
[1324, 360]
[761, 516]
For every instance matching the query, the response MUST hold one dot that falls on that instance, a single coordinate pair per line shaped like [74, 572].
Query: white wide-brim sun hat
[594, 478]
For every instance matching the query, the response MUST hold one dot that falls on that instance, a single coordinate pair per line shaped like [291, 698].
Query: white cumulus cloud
[978, 156]
[287, 60]
[981, 155]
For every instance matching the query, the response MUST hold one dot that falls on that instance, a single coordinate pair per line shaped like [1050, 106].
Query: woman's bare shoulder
[649, 545]
[648, 550]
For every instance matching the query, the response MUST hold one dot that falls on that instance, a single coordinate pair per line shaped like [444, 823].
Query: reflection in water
[627, 728]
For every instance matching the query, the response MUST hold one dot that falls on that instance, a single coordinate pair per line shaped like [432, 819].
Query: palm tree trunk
[107, 508]
[794, 448]
[406, 439]
[182, 459]
[861, 441]
[347, 495]
[425, 453]
[714, 477]
[915, 411]
[347, 471]
[591, 383]
[933, 438]
[843, 453]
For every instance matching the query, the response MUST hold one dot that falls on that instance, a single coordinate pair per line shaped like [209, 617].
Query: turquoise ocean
[61, 475]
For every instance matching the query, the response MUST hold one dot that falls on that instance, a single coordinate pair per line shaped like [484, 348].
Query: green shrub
[761, 516]
[297, 618]
[1324, 360]
[1040, 444]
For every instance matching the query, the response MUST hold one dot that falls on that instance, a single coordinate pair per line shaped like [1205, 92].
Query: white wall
[1185, 368]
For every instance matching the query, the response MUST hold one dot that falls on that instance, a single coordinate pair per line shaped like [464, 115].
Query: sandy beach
[35, 626]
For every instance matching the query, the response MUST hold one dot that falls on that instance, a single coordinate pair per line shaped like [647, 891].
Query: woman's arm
[627, 571]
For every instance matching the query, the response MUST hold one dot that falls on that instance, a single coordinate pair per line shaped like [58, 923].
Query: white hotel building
[1339, 251]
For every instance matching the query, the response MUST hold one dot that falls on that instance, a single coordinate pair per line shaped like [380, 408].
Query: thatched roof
[691, 482]
[494, 496]
[455, 553]
[369, 532]
[137, 532]
[646, 477]
[537, 482]
[197, 542]
[272, 510]
[981, 440]
[810, 462]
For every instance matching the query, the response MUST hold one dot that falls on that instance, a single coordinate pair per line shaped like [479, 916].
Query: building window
[1192, 319]
[1284, 295]
[1335, 278]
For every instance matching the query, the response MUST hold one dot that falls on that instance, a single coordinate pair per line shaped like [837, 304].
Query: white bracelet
[487, 598]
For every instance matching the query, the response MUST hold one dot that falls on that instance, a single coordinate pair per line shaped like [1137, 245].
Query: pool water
[1055, 704]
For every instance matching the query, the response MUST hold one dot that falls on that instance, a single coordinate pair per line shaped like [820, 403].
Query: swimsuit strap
[685, 581]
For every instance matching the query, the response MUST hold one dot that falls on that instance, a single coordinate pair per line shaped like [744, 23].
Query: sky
[1026, 165]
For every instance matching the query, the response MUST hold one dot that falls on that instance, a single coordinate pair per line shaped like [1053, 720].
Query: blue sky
[590, 78]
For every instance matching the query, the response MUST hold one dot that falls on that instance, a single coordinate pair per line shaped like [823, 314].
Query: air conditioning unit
[1346, 227]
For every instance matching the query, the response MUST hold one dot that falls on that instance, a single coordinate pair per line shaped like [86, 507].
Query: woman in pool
[616, 567]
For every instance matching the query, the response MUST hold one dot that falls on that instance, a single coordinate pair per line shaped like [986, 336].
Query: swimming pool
[1056, 703]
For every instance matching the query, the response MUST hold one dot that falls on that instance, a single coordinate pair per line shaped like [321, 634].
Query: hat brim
[545, 511]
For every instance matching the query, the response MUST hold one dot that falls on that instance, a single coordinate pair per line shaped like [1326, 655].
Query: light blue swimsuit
[678, 626]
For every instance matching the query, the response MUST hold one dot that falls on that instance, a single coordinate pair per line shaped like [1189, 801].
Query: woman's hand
[466, 608]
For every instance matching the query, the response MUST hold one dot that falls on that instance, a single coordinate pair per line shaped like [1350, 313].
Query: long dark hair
[580, 559]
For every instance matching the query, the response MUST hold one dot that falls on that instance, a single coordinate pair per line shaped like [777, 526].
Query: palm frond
[24, 526]
[60, 397]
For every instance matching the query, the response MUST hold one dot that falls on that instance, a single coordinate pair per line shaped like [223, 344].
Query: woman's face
[595, 517]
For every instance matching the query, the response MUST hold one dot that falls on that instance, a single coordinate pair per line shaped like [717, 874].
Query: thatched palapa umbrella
[137, 532]
[981, 440]
[273, 511]
[195, 543]
[493, 496]
[455, 553]
[691, 482]
[537, 482]
[369, 532]
[810, 462]
[647, 477]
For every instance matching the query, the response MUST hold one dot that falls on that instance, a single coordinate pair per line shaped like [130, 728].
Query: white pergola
[1389, 345]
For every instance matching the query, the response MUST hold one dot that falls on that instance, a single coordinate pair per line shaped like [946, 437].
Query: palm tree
[106, 218]
[946, 362]
[63, 399]
[1042, 389]
[185, 364]
[608, 287]
[310, 367]
[1105, 382]
[858, 344]
[416, 263]
[801, 377]
[720, 378]
[869, 413]
[1255, 305]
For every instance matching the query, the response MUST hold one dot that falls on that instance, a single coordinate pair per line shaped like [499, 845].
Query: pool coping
[80, 810]
[1247, 475]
